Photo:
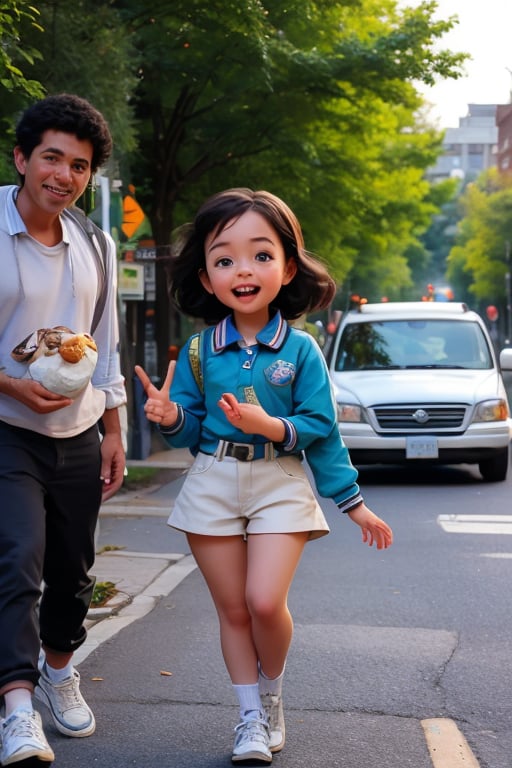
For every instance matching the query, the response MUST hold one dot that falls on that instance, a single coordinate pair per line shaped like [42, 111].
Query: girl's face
[246, 265]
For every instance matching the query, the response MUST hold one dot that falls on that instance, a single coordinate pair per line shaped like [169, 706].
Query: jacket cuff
[172, 429]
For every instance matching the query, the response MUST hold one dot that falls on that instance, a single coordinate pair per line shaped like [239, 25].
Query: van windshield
[412, 344]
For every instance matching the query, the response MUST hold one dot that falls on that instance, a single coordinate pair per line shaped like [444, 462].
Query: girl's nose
[244, 267]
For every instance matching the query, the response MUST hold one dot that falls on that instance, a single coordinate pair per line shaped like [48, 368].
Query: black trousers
[50, 495]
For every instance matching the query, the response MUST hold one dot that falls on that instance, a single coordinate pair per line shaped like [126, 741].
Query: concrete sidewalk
[140, 578]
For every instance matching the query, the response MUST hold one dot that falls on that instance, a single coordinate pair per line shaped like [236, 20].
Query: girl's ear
[205, 281]
[290, 270]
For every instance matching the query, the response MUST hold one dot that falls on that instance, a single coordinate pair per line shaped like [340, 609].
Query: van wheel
[495, 470]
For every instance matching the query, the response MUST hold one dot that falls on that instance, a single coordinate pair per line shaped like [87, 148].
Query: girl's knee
[264, 609]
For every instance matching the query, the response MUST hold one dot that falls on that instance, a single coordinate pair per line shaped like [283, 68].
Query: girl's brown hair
[311, 288]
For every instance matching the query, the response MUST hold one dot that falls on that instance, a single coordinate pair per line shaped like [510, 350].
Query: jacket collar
[272, 335]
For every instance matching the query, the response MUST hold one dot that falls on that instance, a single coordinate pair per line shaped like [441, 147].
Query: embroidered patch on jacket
[280, 373]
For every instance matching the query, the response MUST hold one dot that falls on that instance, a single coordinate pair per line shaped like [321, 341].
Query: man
[54, 469]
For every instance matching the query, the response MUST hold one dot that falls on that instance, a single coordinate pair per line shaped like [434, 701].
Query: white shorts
[232, 497]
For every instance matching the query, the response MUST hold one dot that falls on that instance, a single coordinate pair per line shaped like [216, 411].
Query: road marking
[447, 746]
[497, 524]
[498, 555]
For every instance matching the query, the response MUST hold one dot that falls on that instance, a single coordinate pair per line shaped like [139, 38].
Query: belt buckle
[242, 452]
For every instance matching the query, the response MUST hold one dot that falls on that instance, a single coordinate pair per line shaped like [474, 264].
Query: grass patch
[103, 591]
[138, 477]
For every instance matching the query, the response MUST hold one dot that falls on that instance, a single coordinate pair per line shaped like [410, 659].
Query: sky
[484, 31]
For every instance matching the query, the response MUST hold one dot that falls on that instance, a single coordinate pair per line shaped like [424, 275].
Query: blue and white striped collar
[272, 335]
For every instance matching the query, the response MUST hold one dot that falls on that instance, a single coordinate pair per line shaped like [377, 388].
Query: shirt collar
[272, 335]
[15, 224]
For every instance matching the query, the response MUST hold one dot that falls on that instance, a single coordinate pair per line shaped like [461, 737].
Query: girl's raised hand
[159, 407]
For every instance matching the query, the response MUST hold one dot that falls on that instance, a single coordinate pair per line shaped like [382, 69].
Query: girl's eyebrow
[224, 243]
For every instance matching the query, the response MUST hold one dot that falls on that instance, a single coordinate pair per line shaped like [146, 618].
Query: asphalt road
[384, 641]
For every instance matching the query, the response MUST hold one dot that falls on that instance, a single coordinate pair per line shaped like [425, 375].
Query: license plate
[421, 447]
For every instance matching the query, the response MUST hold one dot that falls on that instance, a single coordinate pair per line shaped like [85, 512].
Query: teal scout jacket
[285, 373]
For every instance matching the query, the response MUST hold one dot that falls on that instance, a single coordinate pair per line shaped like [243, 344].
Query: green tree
[480, 260]
[19, 23]
[83, 48]
[314, 100]
[100, 63]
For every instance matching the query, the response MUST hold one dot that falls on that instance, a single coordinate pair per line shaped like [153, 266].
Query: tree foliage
[480, 259]
[85, 50]
[315, 101]
[312, 99]
[19, 25]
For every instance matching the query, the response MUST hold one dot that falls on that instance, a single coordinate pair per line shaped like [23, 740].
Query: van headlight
[491, 410]
[350, 412]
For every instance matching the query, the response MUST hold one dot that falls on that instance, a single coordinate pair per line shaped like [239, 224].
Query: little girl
[250, 404]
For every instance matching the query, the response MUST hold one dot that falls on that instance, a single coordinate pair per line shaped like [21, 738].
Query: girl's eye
[225, 261]
[263, 256]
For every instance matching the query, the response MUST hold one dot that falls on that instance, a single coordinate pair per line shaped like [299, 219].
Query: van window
[412, 344]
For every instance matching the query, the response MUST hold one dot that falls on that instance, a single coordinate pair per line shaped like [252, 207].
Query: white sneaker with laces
[251, 742]
[22, 737]
[69, 710]
[273, 706]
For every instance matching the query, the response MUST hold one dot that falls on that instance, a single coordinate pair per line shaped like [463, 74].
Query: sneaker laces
[252, 730]
[271, 703]
[69, 694]
[24, 725]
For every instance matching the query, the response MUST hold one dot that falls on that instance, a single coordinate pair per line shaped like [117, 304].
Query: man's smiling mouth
[56, 191]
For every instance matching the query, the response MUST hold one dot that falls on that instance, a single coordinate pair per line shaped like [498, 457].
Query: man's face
[57, 172]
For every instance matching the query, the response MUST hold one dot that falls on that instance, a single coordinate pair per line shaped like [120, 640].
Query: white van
[420, 382]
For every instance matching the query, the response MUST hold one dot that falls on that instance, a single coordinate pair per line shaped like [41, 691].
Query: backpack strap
[100, 248]
[194, 356]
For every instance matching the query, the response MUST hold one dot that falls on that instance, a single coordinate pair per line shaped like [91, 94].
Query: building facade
[470, 148]
[504, 125]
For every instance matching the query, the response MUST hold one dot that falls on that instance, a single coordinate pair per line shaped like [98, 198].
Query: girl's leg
[223, 562]
[272, 562]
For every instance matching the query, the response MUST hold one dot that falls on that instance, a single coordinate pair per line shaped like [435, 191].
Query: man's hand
[158, 407]
[33, 395]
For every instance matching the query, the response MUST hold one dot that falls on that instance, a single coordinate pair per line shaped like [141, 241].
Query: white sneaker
[23, 737]
[68, 707]
[251, 742]
[273, 706]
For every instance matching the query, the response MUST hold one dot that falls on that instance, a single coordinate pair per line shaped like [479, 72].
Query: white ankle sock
[18, 698]
[58, 675]
[249, 699]
[273, 686]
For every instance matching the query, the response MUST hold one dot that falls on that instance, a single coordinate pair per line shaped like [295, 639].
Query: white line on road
[496, 524]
